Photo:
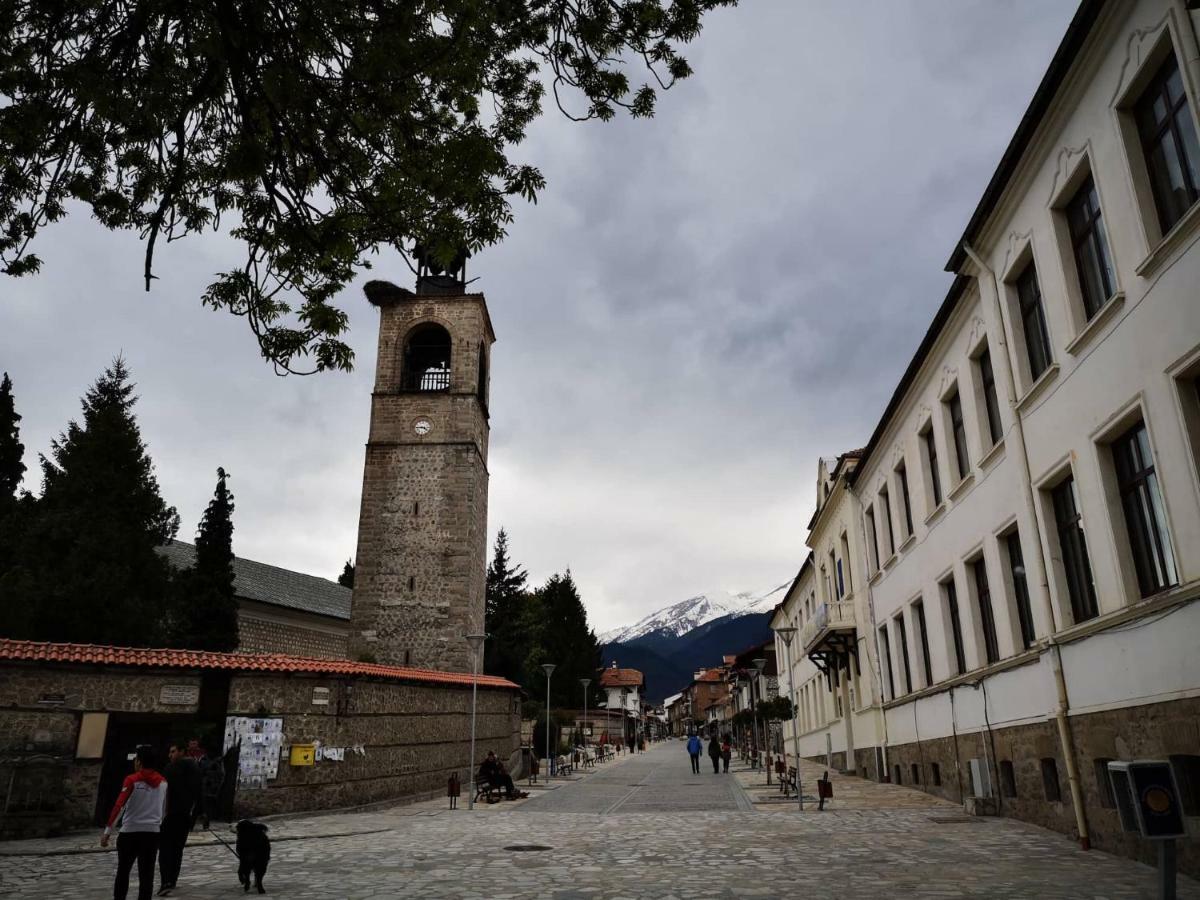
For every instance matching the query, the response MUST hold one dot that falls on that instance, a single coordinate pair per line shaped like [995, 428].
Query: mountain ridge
[680, 618]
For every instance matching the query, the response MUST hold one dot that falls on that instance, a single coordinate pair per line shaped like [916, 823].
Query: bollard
[453, 789]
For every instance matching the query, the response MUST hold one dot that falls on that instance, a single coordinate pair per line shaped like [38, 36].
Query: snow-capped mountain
[682, 617]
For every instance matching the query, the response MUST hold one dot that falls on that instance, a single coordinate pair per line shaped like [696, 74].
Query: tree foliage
[12, 451]
[313, 132]
[560, 621]
[205, 615]
[88, 569]
[346, 579]
[505, 614]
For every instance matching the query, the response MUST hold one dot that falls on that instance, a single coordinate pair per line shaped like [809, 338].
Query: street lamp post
[585, 682]
[624, 694]
[787, 633]
[476, 642]
[549, 670]
[760, 664]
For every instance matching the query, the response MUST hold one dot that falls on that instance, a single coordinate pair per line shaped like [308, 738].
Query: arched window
[426, 359]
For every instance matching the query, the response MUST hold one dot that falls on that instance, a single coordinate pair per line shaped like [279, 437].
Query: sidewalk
[849, 791]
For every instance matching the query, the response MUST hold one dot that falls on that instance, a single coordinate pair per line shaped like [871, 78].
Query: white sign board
[179, 694]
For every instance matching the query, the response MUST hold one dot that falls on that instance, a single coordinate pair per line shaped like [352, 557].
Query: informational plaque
[179, 694]
[320, 696]
[303, 755]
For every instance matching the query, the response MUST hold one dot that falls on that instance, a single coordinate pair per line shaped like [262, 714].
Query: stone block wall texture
[35, 737]
[261, 636]
[1153, 731]
[414, 737]
[422, 543]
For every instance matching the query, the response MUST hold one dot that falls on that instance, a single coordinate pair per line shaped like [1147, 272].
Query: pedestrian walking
[714, 753]
[212, 779]
[693, 749]
[138, 815]
[183, 803]
[726, 752]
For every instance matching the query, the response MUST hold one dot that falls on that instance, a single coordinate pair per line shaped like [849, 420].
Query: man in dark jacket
[492, 771]
[183, 799]
[714, 753]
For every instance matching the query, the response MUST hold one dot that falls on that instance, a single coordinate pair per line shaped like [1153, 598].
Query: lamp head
[549, 668]
[585, 682]
[760, 664]
[476, 641]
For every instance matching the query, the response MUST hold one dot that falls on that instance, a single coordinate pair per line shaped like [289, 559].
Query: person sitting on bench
[493, 773]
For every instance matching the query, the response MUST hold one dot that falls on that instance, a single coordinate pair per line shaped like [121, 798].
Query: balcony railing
[434, 379]
[838, 616]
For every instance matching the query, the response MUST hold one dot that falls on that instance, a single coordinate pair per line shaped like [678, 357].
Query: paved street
[639, 827]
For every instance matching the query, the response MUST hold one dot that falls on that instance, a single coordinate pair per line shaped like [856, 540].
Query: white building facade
[1028, 507]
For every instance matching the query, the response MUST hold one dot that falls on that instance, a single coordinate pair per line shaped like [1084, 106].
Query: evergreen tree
[565, 640]
[14, 577]
[346, 579]
[505, 614]
[94, 573]
[12, 451]
[206, 614]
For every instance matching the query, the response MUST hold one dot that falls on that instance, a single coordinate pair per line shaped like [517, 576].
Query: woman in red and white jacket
[139, 809]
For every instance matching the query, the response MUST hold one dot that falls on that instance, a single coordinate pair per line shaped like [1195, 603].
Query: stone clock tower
[422, 531]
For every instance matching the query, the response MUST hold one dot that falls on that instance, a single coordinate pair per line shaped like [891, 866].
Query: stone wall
[38, 740]
[257, 635]
[422, 543]
[414, 737]
[1153, 731]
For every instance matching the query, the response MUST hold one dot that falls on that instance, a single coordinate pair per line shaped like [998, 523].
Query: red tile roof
[141, 657]
[710, 675]
[621, 678]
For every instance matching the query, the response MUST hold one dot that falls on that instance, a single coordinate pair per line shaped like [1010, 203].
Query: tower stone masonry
[422, 533]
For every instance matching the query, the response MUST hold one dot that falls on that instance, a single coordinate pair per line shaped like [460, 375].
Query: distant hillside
[668, 662]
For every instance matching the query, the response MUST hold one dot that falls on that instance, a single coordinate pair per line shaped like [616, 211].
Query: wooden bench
[563, 765]
[589, 761]
[787, 781]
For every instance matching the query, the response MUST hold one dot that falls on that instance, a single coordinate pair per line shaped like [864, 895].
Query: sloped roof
[162, 658]
[621, 678]
[271, 584]
[709, 675]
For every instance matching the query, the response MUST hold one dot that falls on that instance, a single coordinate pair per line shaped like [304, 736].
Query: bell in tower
[422, 531]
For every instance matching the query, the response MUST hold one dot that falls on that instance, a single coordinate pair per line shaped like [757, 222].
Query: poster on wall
[260, 740]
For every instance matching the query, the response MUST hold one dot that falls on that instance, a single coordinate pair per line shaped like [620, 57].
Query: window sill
[1037, 388]
[906, 543]
[1092, 328]
[874, 579]
[890, 561]
[993, 455]
[937, 511]
[962, 487]
[1170, 242]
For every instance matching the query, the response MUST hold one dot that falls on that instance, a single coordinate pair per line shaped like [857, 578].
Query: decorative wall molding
[1016, 243]
[977, 333]
[1064, 166]
[924, 414]
[1137, 45]
[949, 376]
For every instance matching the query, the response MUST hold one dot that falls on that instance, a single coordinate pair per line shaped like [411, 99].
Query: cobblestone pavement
[666, 851]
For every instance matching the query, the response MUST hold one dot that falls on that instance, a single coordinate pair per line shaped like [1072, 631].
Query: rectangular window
[956, 636]
[987, 619]
[923, 636]
[1145, 519]
[1169, 144]
[885, 650]
[841, 580]
[1016, 564]
[990, 401]
[1008, 778]
[958, 429]
[1050, 780]
[845, 557]
[1090, 247]
[903, 638]
[1033, 319]
[906, 503]
[1073, 545]
[931, 457]
[885, 510]
[874, 535]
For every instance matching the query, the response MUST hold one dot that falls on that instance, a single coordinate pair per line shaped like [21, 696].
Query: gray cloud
[698, 307]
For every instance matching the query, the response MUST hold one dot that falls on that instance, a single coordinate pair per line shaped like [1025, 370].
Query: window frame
[954, 631]
[902, 640]
[884, 504]
[982, 595]
[1028, 289]
[1144, 484]
[1022, 601]
[929, 442]
[901, 476]
[918, 608]
[1085, 607]
[1092, 233]
[991, 399]
[885, 651]
[958, 432]
[1157, 83]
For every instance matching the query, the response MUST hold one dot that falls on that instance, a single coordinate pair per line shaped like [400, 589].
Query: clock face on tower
[422, 427]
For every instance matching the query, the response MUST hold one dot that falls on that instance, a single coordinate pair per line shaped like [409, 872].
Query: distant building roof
[709, 675]
[611, 677]
[271, 584]
[143, 657]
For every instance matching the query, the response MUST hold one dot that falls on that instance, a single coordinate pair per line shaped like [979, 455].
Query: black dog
[254, 851]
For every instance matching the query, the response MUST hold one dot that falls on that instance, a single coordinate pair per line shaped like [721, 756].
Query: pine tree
[346, 579]
[565, 640]
[91, 547]
[14, 510]
[504, 615]
[12, 451]
[206, 611]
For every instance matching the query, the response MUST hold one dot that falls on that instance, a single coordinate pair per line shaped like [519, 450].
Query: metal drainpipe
[1066, 738]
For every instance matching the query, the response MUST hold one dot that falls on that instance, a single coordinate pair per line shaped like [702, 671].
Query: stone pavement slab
[428, 851]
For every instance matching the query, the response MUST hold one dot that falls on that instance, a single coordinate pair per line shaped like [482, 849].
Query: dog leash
[222, 843]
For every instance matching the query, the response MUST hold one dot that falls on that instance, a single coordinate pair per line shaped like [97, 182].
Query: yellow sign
[303, 755]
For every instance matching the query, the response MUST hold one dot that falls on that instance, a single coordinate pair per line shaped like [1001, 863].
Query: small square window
[916, 774]
[1050, 780]
[1008, 779]
[899, 780]
[936, 771]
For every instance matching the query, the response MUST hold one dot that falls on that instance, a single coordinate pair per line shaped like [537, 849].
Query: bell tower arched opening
[426, 364]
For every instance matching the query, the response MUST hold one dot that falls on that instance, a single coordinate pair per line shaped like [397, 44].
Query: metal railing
[426, 380]
[828, 616]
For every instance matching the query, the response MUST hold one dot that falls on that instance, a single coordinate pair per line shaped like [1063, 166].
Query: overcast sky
[699, 306]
